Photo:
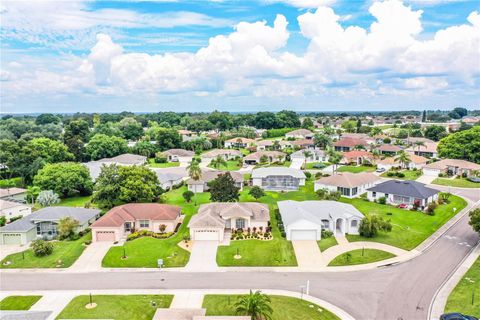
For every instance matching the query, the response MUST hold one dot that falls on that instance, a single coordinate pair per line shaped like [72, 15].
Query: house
[314, 155]
[303, 144]
[214, 218]
[13, 194]
[357, 157]
[239, 142]
[304, 220]
[451, 167]
[13, 209]
[389, 149]
[169, 179]
[299, 134]
[349, 184]
[403, 192]
[278, 178]
[42, 224]
[349, 144]
[269, 156]
[187, 135]
[428, 150]
[227, 154]
[120, 221]
[127, 159]
[179, 155]
[201, 185]
[360, 136]
[387, 163]
[417, 162]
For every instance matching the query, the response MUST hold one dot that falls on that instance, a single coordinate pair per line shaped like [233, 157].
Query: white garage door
[206, 234]
[105, 236]
[303, 235]
[431, 172]
[12, 238]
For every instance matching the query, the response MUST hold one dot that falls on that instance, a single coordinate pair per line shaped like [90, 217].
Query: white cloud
[304, 3]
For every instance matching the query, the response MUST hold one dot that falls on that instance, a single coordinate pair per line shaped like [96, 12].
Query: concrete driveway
[308, 253]
[425, 179]
[91, 258]
[8, 249]
[203, 256]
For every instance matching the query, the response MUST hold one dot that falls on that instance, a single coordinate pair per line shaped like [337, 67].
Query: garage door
[12, 238]
[303, 235]
[106, 236]
[206, 235]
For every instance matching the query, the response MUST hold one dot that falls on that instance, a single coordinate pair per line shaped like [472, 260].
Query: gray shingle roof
[405, 188]
[277, 171]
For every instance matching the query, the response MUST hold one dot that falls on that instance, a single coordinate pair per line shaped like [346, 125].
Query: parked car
[379, 170]
[456, 316]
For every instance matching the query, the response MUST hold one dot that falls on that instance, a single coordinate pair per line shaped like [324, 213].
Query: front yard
[118, 307]
[457, 182]
[408, 174]
[65, 253]
[18, 302]
[410, 228]
[326, 243]
[232, 165]
[284, 308]
[355, 169]
[464, 298]
[360, 256]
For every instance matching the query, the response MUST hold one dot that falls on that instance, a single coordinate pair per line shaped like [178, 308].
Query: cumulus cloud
[304, 3]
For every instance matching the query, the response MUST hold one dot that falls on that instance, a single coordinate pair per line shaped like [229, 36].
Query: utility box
[160, 263]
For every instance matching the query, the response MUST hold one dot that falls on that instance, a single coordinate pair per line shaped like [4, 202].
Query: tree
[435, 132]
[47, 198]
[49, 150]
[138, 184]
[75, 136]
[65, 178]
[424, 116]
[67, 227]
[375, 131]
[334, 158]
[265, 120]
[107, 186]
[3, 221]
[256, 192]
[307, 123]
[46, 118]
[194, 172]
[32, 194]
[403, 158]
[188, 195]
[255, 305]
[475, 219]
[218, 162]
[131, 129]
[103, 146]
[372, 224]
[108, 129]
[458, 113]
[166, 138]
[144, 148]
[349, 125]
[41, 248]
[306, 154]
[287, 119]
[223, 189]
[162, 228]
[461, 145]
[322, 141]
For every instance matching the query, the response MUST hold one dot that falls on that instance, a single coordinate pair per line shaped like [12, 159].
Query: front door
[128, 226]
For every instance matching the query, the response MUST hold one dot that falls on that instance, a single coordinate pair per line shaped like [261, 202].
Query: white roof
[277, 171]
[316, 211]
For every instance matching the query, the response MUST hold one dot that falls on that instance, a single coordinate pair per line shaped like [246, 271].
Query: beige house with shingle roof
[239, 142]
[349, 184]
[178, 155]
[300, 134]
[270, 156]
[450, 167]
[213, 218]
[201, 185]
[227, 154]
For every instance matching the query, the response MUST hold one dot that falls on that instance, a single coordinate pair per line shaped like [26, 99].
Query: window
[354, 191]
[344, 191]
[354, 223]
[325, 224]
[240, 223]
[374, 194]
[144, 223]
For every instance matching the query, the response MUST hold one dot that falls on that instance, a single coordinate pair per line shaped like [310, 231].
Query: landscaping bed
[118, 307]
[360, 256]
[457, 182]
[65, 253]
[18, 302]
[284, 308]
[467, 289]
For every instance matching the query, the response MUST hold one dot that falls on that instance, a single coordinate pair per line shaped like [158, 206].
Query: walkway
[297, 164]
[91, 258]
[308, 254]
[425, 179]
[203, 256]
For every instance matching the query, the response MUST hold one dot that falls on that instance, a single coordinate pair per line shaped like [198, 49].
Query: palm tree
[419, 144]
[403, 158]
[256, 305]
[276, 145]
[307, 154]
[218, 162]
[32, 194]
[194, 172]
[334, 158]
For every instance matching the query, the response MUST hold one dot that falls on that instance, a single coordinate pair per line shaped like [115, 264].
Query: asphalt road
[402, 291]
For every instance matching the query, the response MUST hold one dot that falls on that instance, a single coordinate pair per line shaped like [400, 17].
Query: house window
[144, 223]
[374, 194]
[128, 226]
[240, 223]
[354, 191]
[344, 191]
[354, 223]
[325, 224]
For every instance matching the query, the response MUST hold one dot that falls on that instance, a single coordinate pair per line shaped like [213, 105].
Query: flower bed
[254, 233]
[146, 233]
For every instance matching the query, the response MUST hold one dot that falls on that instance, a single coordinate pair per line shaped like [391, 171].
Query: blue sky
[239, 55]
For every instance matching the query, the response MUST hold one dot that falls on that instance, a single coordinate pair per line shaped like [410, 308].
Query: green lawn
[284, 308]
[355, 169]
[274, 164]
[18, 302]
[410, 228]
[118, 307]
[232, 165]
[360, 256]
[144, 252]
[65, 253]
[460, 300]
[409, 175]
[153, 164]
[458, 182]
[326, 243]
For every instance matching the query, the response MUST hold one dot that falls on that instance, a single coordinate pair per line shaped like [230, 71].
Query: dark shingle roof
[406, 188]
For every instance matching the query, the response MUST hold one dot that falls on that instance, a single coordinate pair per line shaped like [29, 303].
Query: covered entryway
[105, 236]
[206, 234]
[303, 235]
[340, 226]
[12, 238]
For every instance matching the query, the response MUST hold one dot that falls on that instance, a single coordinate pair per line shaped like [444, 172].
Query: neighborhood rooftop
[348, 179]
[277, 171]
[406, 188]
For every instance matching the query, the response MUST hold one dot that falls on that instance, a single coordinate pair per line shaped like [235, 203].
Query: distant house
[13, 209]
[239, 142]
[428, 150]
[303, 144]
[299, 134]
[387, 163]
[315, 155]
[269, 156]
[120, 221]
[357, 157]
[227, 154]
[389, 149]
[403, 192]
[42, 224]
[304, 220]
[214, 218]
[201, 185]
[127, 159]
[13, 194]
[450, 167]
[187, 135]
[360, 136]
[179, 155]
[278, 178]
[169, 179]
[349, 184]
[349, 144]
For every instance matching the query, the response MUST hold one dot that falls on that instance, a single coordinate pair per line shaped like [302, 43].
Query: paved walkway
[425, 179]
[203, 256]
[308, 253]
[91, 258]
[187, 300]
[8, 249]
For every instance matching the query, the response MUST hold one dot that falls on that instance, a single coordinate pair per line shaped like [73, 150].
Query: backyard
[65, 253]
[355, 169]
[464, 298]
[153, 164]
[118, 307]
[18, 302]
[409, 228]
[360, 256]
[457, 182]
[284, 308]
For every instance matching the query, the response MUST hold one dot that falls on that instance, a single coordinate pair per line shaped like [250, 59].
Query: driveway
[8, 249]
[91, 258]
[203, 256]
[425, 179]
[308, 253]
[296, 163]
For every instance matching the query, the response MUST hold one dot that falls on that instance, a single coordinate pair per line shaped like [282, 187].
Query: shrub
[67, 227]
[41, 248]
[146, 233]
[441, 175]
[188, 195]
[390, 174]
[370, 225]
[283, 234]
[308, 174]
[326, 233]
[160, 158]
[382, 200]
[431, 208]
[88, 242]
[400, 174]
[318, 166]
[3, 220]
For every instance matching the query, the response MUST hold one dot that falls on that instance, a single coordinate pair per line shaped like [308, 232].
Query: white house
[314, 155]
[278, 178]
[406, 192]
[179, 155]
[269, 156]
[304, 220]
[349, 184]
[13, 209]
[169, 179]
[227, 154]
[300, 134]
[239, 142]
